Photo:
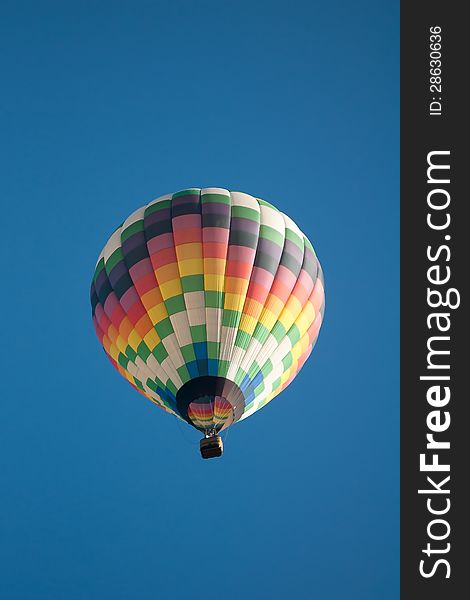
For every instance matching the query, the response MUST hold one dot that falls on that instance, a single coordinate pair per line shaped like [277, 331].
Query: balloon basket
[212, 447]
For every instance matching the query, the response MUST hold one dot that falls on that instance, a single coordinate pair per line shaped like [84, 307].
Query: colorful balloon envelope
[208, 302]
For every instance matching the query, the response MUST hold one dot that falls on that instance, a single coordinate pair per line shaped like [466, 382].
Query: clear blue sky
[106, 105]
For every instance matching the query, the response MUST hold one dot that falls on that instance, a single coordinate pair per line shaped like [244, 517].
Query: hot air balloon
[208, 302]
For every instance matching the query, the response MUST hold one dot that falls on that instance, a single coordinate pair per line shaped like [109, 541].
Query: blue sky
[106, 105]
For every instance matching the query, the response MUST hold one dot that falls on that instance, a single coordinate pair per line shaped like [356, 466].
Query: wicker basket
[212, 447]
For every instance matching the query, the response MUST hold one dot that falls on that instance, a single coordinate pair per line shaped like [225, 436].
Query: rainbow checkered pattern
[208, 283]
